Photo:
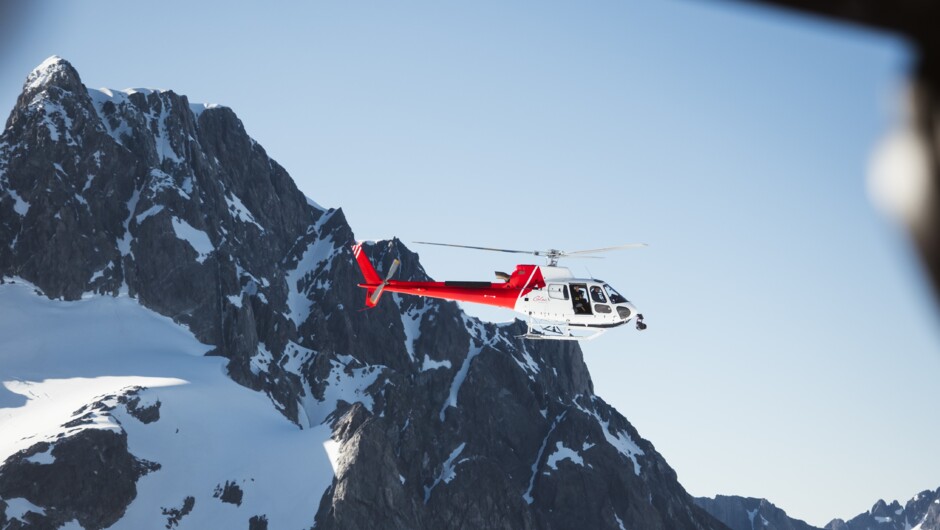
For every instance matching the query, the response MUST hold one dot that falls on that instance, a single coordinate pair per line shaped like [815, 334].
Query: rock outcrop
[746, 513]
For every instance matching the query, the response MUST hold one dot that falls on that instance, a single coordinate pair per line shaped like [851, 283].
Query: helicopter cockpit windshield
[615, 297]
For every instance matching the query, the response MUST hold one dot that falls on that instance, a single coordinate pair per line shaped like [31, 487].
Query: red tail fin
[372, 280]
[368, 271]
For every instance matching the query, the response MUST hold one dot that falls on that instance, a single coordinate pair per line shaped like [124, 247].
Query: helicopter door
[579, 299]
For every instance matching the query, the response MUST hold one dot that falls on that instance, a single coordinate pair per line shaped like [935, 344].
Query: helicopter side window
[558, 291]
[615, 297]
[598, 295]
[579, 299]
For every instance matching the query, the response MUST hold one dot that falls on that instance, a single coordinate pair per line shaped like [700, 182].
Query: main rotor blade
[482, 248]
[606, 249]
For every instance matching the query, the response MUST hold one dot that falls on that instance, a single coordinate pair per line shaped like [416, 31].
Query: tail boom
[507, 295]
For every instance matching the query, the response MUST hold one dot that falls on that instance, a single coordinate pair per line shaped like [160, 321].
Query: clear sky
[793, 347]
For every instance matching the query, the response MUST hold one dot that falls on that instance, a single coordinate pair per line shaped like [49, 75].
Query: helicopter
[556, 304]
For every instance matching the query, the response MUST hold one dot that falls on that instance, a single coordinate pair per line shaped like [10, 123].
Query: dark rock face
[175, 515]
[922, 512]
[745, 513]
[457, 423]
[144, 413]
[91, 478]
[258, 522]
[229, 493]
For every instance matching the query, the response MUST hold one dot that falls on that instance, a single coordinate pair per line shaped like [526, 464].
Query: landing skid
[553, 331]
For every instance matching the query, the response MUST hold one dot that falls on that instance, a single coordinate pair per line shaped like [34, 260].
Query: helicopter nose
[626, 311]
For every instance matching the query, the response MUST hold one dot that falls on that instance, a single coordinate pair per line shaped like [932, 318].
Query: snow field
[56, 356]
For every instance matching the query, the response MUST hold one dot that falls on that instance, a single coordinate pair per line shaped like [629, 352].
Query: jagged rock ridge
[921, 512]
[746, 513]
[438, 420]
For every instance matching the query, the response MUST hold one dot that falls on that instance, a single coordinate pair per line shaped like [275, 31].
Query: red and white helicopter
[556, 304]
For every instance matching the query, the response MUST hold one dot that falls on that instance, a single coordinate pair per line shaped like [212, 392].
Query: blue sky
[793, 350]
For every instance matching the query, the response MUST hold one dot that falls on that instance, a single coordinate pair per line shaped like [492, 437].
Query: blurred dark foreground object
[913, 165]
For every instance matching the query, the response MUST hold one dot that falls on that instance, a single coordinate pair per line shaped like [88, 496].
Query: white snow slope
[57, 356]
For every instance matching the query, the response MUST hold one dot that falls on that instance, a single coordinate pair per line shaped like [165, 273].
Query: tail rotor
[374, 298]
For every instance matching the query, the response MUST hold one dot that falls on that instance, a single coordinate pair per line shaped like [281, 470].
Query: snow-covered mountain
[181, 346]
[922, 512]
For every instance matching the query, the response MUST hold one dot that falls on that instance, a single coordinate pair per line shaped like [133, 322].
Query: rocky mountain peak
[883, 509]
[53, 72]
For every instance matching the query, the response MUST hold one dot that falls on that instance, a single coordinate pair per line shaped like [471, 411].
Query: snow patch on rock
[310, 273]
[239, 211]
[20, 206]
[431, 364]
[344, 383]
[18, 508]
[196, 238]
[448, 472]
[459, 378]
[563, 453]
[620, 440]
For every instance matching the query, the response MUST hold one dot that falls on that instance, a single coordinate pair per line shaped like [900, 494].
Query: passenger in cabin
[579, 300]
[597, 295]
